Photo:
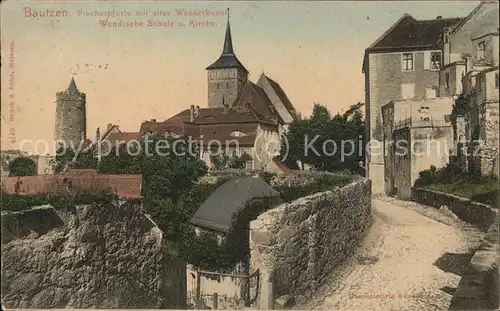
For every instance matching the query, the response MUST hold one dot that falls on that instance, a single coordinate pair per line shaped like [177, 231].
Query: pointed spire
[72, 85]
[228, 41]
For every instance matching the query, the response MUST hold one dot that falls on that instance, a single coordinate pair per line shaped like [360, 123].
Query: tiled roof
[227, 61]
[252, 108]
[408, 32]
[282, 166]
[221, 133]
[123, 137]
[281, 94]
[233, 194]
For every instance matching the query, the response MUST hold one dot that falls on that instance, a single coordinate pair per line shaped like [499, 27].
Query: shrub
[58, 199]
[267, 177]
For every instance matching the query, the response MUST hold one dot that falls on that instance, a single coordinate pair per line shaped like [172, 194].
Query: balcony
[410, 123]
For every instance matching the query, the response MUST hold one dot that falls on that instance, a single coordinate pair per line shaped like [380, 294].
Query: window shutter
[427, 60]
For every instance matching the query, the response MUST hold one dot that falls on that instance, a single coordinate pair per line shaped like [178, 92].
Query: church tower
[226, 76]
[70, 115]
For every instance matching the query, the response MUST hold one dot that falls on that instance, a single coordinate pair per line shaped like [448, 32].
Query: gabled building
[242, 117]
[472, 69]
[111, 138]
[402, 64]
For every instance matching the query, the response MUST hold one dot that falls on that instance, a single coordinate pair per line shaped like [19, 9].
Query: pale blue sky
[314, 49]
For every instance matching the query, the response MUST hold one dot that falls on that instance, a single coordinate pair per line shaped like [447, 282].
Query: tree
[67, 158]
[170, 169]
[328, 143]
[22, 166]
[219, 161]
[239, 162]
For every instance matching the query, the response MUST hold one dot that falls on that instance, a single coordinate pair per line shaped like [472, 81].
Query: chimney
[97, 135]
[196, 111]
[191, 114]
[439, 17]
[153, 120]
[110, 126]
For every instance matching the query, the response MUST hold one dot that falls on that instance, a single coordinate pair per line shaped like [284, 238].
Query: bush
[267, 177]
[322, 183]
[451, 179]
[58, 199]
[22, 166]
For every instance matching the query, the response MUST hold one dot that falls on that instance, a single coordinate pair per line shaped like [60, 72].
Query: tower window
[218, 86]
[227, 86]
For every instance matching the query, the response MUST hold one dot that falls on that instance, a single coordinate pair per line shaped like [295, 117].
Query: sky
[314, 49]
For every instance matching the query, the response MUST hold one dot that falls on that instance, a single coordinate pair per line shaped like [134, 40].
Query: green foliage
[204, 251]
[267, 177]
[68, 158]
[323, 183]
[22, 166]
[166, 172]
[452, 180]
[323, 132]
[239, 162]
[462, 105]
[236, 247]
[58, 199]
[219, 161]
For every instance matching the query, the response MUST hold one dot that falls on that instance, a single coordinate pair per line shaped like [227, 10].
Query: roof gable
[279, 92]
[408, 33]
[234, 195]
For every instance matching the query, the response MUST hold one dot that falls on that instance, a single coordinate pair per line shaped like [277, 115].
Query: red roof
[124, 185]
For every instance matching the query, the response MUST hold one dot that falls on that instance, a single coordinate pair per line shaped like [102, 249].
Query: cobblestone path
[411, 259]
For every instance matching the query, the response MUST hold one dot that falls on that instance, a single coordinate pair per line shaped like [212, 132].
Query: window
[237, 134]
[435, 60]
[227, 86]
[481, 49]
[497, 82]
[218, 86]
[407, 61]
[249, 165]
[447, 80]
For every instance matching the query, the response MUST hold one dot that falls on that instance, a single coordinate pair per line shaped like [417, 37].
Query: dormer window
[172, 134]
[237, 134]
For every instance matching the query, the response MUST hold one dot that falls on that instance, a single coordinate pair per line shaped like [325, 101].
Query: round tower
[70, 115]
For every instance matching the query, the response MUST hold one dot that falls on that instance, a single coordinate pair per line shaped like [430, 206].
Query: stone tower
[226, 76]
[70, 115]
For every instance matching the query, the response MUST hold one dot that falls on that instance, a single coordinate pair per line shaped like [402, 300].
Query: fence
[410, 123]
[234, 293]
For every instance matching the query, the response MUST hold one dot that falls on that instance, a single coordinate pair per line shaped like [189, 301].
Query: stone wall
[479, 287]
[479, 214]
[86, 257]
[296, 246]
